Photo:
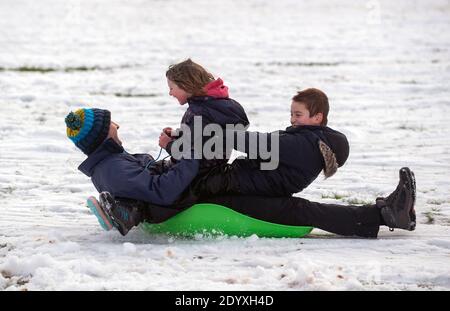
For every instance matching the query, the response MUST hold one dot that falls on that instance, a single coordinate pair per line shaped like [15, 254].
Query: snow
[385, 66]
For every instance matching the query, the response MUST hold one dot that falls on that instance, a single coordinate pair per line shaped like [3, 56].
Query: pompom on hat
[87, 128]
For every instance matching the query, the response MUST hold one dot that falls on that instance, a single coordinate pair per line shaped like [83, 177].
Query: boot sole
[409, 181]
[102, 217]
[108, 201]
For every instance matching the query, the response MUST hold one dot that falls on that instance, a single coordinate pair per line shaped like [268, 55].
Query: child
[114, 170]
[207, 98]
[115, 173]
[306, 148]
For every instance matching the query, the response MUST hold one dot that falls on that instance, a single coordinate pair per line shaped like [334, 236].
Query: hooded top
[214, 108]
[122, 174]
[304, 151]
[216, 89]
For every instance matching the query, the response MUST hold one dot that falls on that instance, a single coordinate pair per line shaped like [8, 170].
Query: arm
[130, 181]
[255, 144]
[189, 136]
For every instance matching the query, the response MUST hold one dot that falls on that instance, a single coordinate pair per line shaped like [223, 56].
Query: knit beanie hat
[88, 128]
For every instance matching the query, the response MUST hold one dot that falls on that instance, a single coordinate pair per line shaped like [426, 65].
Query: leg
[363, 221]
[218, 180]
[395, 211]
[122, 214]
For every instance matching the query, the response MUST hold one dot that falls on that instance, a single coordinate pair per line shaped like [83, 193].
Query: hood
[217, 110]
[227, 112]
[336, 141]
[216, 89]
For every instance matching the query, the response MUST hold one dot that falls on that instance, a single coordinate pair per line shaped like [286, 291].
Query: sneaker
[397, 209]
[102, 216]
[124, 213]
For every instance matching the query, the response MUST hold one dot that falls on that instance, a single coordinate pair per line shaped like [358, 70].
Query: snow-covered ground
[384, 64]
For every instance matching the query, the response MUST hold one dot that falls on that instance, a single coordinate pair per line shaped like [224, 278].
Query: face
[177, 92]
[300, 115]
[113, 127]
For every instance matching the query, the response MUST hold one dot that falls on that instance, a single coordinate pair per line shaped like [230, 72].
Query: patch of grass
[414, 128]
[32, 69]
[7, 190]
[356, 201]
[299, 64]
[42, 119]
[430, 217]
[333, 195]
[344, 197]
[435, 202]
[37, 69]
[125, 95]
[134, 95]
[431, 214]
[48, 69]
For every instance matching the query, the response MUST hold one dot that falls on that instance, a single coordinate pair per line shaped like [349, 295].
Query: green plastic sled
[214, 219]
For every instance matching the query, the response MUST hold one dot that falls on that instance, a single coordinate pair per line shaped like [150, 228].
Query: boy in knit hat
[88, 128]
[126, 175]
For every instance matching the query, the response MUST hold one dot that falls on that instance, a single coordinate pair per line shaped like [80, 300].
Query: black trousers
[346, 220]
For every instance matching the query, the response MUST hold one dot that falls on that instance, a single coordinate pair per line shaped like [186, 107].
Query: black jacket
[220, 111]
[304, 151]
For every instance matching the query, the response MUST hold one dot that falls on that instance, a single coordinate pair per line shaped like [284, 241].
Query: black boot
[397, 209]
[125, 213]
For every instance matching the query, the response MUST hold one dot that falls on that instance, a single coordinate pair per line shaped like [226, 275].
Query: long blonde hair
[189, 76]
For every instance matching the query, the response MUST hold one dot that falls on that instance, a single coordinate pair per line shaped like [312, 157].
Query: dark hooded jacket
[300, 161]
[214, 108]
[304, 151]
[122, 174]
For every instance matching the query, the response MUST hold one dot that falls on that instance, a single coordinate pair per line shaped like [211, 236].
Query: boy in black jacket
[305, 149]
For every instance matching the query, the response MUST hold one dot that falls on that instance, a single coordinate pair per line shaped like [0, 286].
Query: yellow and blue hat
[88, 128]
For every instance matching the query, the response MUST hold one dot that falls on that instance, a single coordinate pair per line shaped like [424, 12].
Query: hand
[167, 131]
[164, 139]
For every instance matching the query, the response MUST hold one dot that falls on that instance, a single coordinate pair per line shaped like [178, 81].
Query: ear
[318, 118]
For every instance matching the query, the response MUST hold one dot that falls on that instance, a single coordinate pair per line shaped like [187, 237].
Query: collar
[107, 148]
[304, 127]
